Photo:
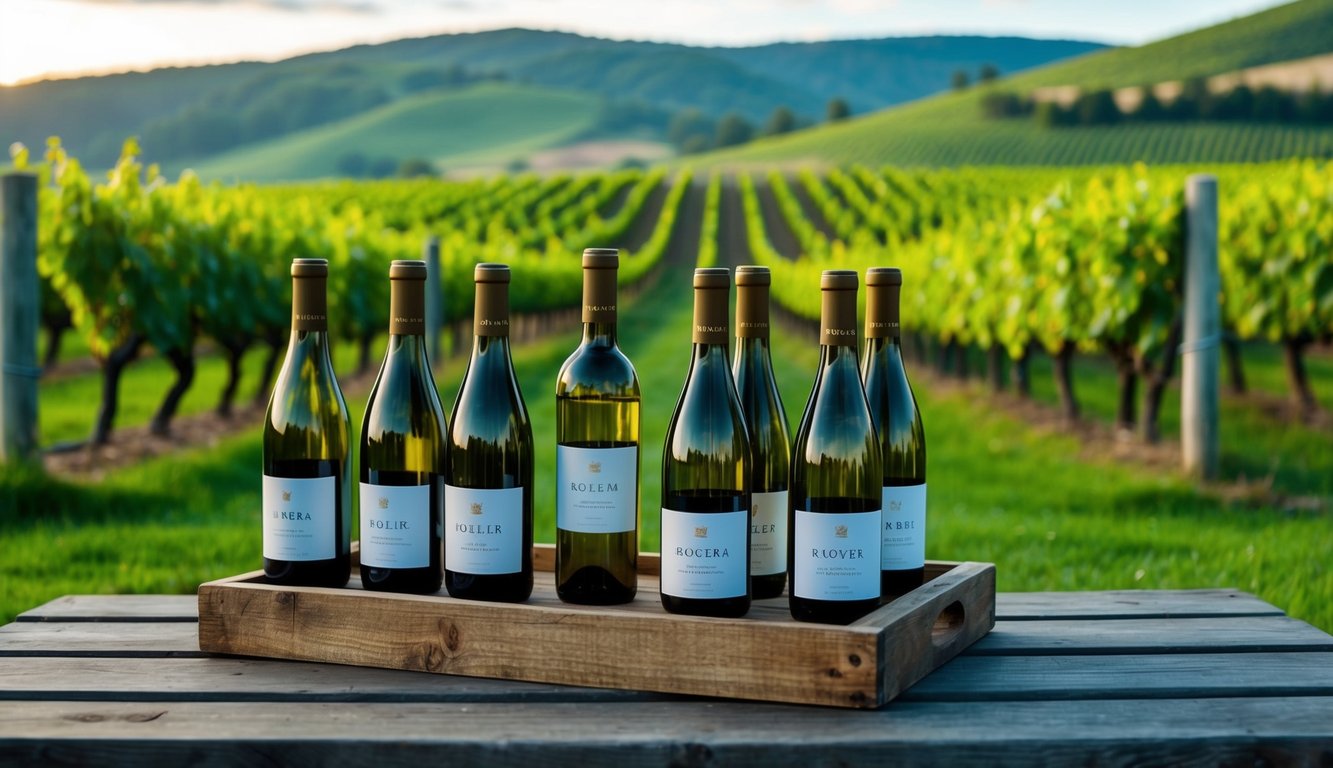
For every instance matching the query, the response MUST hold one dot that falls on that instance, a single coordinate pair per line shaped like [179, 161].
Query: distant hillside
[193, 114]
[481, 125]
[949, 129]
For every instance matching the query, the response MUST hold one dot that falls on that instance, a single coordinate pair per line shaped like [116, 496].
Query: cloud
[295, 6]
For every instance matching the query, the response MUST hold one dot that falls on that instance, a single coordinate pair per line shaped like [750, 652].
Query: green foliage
[1277, 254]
[708, 230]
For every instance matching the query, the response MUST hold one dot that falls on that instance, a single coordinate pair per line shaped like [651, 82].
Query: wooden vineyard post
[430, 253]
[1201, 349]
[19, 299]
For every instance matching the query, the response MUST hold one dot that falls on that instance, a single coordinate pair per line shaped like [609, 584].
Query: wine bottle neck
[599, 334]
[882, 311]
[488, 348]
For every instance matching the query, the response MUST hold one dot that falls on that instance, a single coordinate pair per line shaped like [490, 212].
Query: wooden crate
[638, 646]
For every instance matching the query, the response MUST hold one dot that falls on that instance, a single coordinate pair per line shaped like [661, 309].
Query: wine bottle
[902, 439]
[402, 452]
[706, 473]
[597, 452]
[307, 514]
[836, 476]
[770, 440]
[488, 496]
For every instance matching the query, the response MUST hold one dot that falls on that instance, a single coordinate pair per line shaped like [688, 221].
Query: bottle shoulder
[593, 370]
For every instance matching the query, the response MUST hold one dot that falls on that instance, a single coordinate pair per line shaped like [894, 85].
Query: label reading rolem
[596, 489]
[483, 531]
[768, 533]
[703, 554]
[395, 526]
[904, 539]
[837, 555]
[299, 518]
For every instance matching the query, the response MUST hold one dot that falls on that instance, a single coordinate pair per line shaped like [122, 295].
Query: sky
[60, 37]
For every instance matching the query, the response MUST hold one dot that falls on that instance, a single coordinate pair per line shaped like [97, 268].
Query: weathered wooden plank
[1130, 604]
[765, 656]
[100, 638]
[1175, 732]
[1195, 675]
[119, 608]
[1009, 606]
[213, 679]
[1239, 634]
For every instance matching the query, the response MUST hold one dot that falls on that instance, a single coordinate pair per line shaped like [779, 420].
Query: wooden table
[1198, 677]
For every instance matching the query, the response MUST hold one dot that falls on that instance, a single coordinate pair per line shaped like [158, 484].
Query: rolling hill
[481, 125]
[198, 114]
[949, 129]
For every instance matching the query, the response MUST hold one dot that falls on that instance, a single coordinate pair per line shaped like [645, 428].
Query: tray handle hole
[948, 625]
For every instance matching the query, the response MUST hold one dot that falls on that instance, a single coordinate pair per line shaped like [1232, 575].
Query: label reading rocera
[837, 555]
[395, 526]
[768, 533]
[596, 489]
[299, 518]
[703, 554]
[904, 527]
[483, 531]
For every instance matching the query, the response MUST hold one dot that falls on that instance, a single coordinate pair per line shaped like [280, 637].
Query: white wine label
[299, 518]
[483, 531]
[837, 555]
[395, 526]
[904, 539]
[768, 533]
[703, 554]
[597, 489]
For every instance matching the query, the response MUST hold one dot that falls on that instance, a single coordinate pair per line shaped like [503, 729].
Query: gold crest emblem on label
[701, 532]
[840, 531]
[286, 495]
[895, 506]
[595, 467]
[384, 502]
[476, 508]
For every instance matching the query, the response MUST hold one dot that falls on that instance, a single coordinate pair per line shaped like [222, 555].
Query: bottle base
[724, 608]
[768, 587]
[595, 586]
[334, 572]
[895, 584]
[411, 581]
[495, 588]
[830, 611]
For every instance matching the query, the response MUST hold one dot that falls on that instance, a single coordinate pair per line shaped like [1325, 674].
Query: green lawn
[1000, 491]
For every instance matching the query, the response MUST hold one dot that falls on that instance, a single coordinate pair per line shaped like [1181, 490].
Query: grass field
[1029, 499]
[482, 125]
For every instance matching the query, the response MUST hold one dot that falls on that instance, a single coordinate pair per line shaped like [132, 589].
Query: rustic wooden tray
[638, 646]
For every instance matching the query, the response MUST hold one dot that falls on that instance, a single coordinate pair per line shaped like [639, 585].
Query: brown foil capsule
[883, 287]
[712, 288]
[491, 315]
[600, 266]
[752, 296]
[407, 298]
[310, 279]
[837, 317]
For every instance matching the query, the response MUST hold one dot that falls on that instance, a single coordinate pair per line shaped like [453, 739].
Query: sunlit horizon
[56, 39]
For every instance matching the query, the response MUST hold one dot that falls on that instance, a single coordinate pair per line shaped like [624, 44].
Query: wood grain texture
[1130, 604]
[1009, 606]
[263, 680]
[100, 638]
[1197, 675]
[766, 656]
[1187, 732]
[117, 608]
[1235, 634]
